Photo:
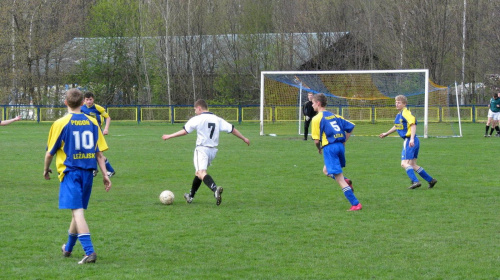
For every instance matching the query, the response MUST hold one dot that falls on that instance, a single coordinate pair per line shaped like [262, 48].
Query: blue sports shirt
[96, 111]
[330, 128]
[404, 120]
[75, 139]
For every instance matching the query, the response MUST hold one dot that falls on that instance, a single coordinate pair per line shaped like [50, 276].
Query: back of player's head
[89, 94]
[495, 95]
[321, 98]
[74, 98]
[201, 103]
[402, 99]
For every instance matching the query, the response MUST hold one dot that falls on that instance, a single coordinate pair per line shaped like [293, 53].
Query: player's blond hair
[402, 99]
[74, 98]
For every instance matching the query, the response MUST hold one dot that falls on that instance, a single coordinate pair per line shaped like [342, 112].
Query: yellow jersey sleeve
[315, 129]
[102, 111]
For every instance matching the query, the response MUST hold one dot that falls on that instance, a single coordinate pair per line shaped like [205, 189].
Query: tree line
[176, 51]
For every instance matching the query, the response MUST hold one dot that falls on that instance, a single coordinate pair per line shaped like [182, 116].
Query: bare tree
[173, 51]
[37, 28]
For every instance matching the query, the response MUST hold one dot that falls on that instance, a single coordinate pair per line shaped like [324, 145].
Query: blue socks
[108, 166]
[411, 174]
[85, 240]
[350, 196]
[424, 174]
[72, 238]
[86, 243]
[420, 171]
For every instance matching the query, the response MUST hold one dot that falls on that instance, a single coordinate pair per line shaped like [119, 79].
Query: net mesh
[359, 97]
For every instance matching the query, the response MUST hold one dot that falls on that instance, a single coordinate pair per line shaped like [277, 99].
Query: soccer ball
[167, 197]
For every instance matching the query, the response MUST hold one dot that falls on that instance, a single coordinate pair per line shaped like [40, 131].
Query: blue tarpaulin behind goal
[387, 84]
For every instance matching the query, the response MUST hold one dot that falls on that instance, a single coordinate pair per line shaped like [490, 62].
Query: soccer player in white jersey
[207, 126]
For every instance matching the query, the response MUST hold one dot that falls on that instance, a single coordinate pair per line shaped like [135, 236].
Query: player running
[330, 132]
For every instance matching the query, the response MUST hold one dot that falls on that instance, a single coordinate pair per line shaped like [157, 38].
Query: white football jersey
[208, 127]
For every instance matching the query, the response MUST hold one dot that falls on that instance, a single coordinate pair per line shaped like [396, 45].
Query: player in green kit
[493, 116]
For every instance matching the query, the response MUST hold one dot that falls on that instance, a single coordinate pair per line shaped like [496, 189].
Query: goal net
[364, 97]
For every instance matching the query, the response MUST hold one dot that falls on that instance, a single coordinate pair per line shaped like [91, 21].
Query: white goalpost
[363, 96]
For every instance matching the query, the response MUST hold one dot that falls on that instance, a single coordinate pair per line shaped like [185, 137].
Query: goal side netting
[364, 97]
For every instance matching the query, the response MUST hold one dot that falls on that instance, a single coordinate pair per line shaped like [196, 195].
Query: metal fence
[246, 113]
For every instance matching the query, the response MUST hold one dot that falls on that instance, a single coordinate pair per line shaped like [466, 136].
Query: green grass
[280, 217]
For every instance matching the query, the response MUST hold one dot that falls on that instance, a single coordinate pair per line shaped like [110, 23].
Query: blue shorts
[410, 152]
[334, 156]
[75, 189]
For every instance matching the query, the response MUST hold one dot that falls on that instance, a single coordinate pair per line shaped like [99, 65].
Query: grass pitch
[280, 218]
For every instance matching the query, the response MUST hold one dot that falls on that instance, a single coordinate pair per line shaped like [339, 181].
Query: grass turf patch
[280, 217]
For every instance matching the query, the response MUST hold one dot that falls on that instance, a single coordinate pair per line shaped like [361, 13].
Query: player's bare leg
[486, 134]
[84, 236]
[347, 180]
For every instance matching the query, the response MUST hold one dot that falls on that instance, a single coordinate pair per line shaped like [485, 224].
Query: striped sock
[210, 182]
[350, 196]
[424, 174]
[411, 174]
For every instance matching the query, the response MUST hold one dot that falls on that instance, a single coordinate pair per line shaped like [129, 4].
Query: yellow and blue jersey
[96, 111]
[403, 122]
[75, 139]
[330, 128]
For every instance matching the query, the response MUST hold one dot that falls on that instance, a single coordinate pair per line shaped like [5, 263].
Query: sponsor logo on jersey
[83, 155]
[85, 122]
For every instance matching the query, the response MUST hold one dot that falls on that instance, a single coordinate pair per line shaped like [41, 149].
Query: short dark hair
[495, 95]
[202, 103]
[74, 98]
[89, 94]
[321, 98]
